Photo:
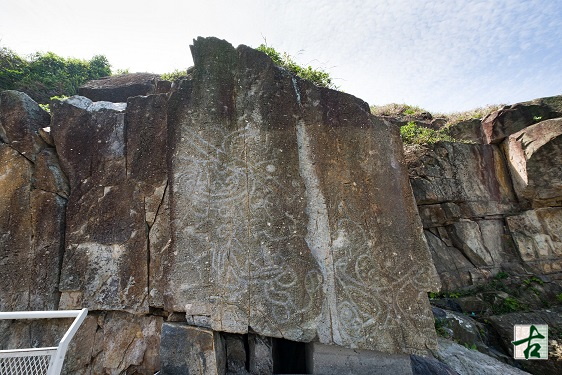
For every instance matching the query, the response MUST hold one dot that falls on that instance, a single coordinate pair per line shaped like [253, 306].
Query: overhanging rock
[291, 211]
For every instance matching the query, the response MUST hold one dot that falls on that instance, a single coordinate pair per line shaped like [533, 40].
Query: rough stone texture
[236, 355]
[47, 222]
[503, 324]
[468, 130]
[105, 263]
[334, 360]
[430, 366]
[191, 350]
[115, 343]
[472, 177]
[538, 238]
[32, 207]
[460, 328]
[146, 144]
[534, 155]
[109, 343]
[511, 119]
[15, 231]
[49, 175]
[118, 89]
[261, 355]
[471, 362]
[463, 192]
[20, 121]
[291, 210]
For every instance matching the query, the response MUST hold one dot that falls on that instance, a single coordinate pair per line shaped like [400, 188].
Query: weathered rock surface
[146, 149]
[463, 192]
[20, 121]
[105, 263]
[115, 343]
[31, 208]
[261, 355]
[511, 119]
[534, 155]
[537, 235]
[472, 177]
[270, 215]
[471, 362]
[430, 366]
[465, 330]
[291, 210]
[118, 89]
[191, 350]
[467, 130]
[333, 360]
[117, 223]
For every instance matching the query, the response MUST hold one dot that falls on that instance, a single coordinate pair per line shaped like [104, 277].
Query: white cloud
[443, 55]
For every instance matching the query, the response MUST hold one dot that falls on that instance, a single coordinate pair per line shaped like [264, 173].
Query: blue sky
[447, 55]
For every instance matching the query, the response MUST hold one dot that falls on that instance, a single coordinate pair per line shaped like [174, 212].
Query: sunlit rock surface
[291, 210]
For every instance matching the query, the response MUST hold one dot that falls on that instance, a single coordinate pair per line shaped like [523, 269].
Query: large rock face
[463, 191]
[119, 88]
[488, 208]
[249, 212]
[20, 121]
[511, 119]
[534, 155]
[291, 210]
[118, 180]
[105, 263]
[32, 204]
[538, 238]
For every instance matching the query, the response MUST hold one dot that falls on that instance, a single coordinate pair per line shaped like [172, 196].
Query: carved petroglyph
[233, 203]
[291, 212]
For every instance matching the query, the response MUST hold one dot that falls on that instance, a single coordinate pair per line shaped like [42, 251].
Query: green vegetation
[44, 75]
[414, 134]
[505, 293]
[176, 75]
[316, 76]
[400, 110]
[533, 279]
[47, 107]
[501, 275]
[507, 305]
[476, 113]
[440, 328]
[417, 113]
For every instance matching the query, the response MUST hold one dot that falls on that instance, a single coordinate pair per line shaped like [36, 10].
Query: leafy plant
[501, 275]
[414, 134]
[47, 107]
[533, 279]
[508, 305]
[537, 118]
[399, 110]
[176, 75]
[440, 328]
[317, 76]
[43, 75]
[559, 297]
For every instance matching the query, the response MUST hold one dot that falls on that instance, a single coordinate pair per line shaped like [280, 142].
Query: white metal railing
[35, 361]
